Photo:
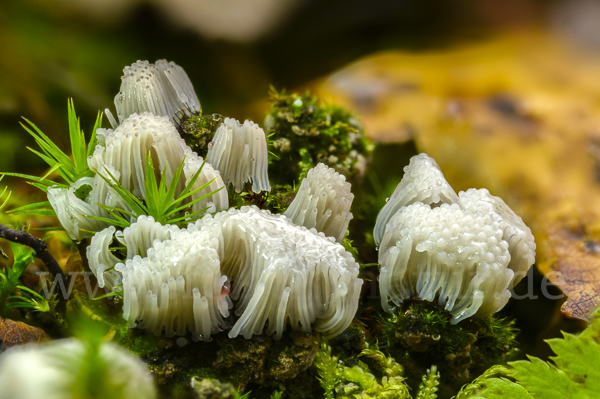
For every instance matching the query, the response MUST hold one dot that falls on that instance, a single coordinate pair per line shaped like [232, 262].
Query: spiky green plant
[161, 202]
[70, 169]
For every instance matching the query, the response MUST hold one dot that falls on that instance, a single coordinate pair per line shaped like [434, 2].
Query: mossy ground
[419, 334]
[260, 364]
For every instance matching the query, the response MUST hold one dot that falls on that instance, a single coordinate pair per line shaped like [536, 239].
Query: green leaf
[570, 352]
[542, 379]
[23, 256]
[501, 388]
[573, 373]
[113, 293]
[46, 144]
[38, 208]
[2, 195]
[93, 139]
[36, 181]
[29, 207]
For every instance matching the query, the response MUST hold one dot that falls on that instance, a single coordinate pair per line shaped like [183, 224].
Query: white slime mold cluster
[122, 152]
[277, 273]
[323, 202]
[466, 251]
[240, 153]
[162, 88]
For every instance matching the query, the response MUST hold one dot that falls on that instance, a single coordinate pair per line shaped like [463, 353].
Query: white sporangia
[162, 88]
[281, 273]
[137, 238]
[171, 278]
[72, 210]
[423, 182]
[323, 202]
[177, 280]
[240, 153]
[448, 254]
[176, 287]
[124, 149]
[467, 255]
[521, 243]
[58, 370]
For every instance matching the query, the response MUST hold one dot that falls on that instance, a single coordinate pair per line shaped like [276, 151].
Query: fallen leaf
[17, 333]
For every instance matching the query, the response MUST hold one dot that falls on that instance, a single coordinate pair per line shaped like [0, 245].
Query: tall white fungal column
[240, 153]
[162, 88]
[323, 202]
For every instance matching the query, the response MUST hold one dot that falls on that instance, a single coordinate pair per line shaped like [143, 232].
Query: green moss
[349, 343]
[340, 381]
[280, 197]
[142, 345]
[303, 132]
[265, 360]
[420, 334]
[198, 131]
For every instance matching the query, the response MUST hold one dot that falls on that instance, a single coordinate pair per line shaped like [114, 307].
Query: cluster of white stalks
[466, 251]
[125, 149]
[278, 273]
[123, 152]
[323, 202]
[61, 369]
[277, 270]
[162, 88]
[240, 153]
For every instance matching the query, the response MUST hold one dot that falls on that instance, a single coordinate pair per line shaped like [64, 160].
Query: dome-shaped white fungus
[54, 371]
[447, 253]
[125, 149]
[279, 272]
[163, 89]
[423, 182]
[71, 210]
[240, 153]
[467, 254]
[323, 202]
